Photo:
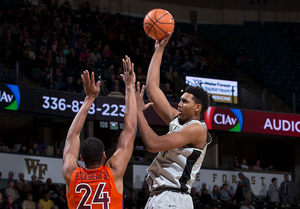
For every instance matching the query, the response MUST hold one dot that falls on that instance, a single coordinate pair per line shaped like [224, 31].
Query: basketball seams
[150, 24]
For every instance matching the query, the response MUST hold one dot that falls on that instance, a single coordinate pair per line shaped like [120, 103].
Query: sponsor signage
[42, 167]
[259, 181]
[66, 105]
[221, 90]
[252, 121]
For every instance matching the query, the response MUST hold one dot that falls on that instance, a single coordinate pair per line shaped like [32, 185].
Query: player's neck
[95, 166]
[181, 122]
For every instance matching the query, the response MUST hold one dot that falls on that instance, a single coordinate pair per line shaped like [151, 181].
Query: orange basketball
[157, 23]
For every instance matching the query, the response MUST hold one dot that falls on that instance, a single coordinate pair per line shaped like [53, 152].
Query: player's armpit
[69, 165]
[193, 135]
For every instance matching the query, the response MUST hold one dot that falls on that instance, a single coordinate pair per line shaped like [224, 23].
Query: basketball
[157, 23]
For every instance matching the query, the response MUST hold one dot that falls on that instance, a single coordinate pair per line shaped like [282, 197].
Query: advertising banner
[65, 104]
[259, 181]
[42, 167]
[221, 90]
[252, 121]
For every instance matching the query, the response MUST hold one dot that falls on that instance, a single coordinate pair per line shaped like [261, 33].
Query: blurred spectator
[28, 203]
[203, 187]
[69, 86]
[103, 89]
[273, 192]
[66, 50]
[205, 197]
[116, 92]
[179, 84]
[236, 162]
[23, 148]
[169, 76]
[95, 56]
[246, 205]
[233, 205]
[61, 200]
[10, 177]
[10, 191]
[239, 192]
[244, 164]
[58, 78]
[57, 153]
[78, 86]
[46, 202]
[46, 78]
[108, 72]
[225, 194]
[195, 198]
[35, 148]
[168, 93]
[61, 59]
[257, 165]
[21, 182]
[107, 53]
[187, 63]
[1, 201]
[42, 146]
[246, 186]
[213, 65]
[215, 193]
[132, 202]
[140, 75]
[270, 168]
[287, 191]
[49, 186]
[10, 204]
[29, 54]
[3, 183]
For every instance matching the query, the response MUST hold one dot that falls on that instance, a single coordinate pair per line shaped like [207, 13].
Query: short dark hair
[273, 179]
[91, 150]
[200, 96]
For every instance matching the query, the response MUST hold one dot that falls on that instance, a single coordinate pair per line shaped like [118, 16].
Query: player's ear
[198, 107]
[81, 158]
[104, 155]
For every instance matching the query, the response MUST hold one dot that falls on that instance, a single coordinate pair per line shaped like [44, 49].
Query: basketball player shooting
[100, 184]
[181, 151]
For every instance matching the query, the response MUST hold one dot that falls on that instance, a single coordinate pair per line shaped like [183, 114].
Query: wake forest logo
[9, 97]
[224, 119]
[36, 168]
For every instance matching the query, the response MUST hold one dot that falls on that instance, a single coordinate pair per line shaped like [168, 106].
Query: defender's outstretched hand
[139, 95]
[91, 89]
[162, 43]
[129, 75]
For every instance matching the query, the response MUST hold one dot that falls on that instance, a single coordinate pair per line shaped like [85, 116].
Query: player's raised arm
[155, 94]
[118, 162]
[72, 145]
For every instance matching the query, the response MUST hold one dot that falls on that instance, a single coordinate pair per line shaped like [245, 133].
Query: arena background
[279, 149]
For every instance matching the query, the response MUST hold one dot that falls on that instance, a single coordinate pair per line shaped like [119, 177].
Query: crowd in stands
[68, 41]
[19, 193]
[20, 145]
[243, 165]
[224, 196]
[16, 194]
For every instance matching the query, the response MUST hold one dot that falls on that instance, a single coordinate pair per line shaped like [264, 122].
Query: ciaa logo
[10, 97]
[224, 119]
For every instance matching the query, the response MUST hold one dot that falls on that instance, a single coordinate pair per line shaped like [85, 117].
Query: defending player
[100, 184]
[181, 151]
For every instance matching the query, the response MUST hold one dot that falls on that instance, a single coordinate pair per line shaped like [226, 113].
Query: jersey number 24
[100, 197]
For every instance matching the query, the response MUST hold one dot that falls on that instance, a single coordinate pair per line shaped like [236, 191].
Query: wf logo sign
[34, 167]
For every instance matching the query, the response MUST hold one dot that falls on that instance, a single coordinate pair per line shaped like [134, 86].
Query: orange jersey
[95, 188]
